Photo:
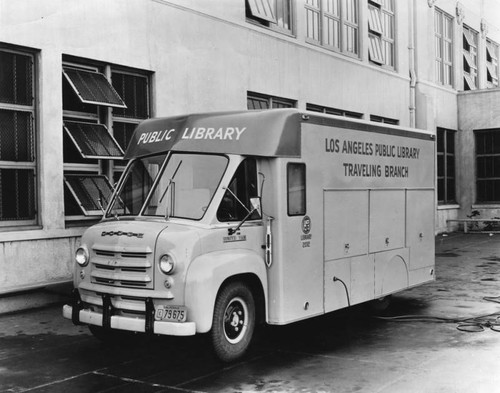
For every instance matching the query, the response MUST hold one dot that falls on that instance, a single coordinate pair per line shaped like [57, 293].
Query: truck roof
[267, 133]
[270, 133]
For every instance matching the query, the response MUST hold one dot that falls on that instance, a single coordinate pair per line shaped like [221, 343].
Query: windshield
[184, 188]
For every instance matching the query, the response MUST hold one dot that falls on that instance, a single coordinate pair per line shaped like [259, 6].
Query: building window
[333, 111]
[18, 171]
[134, 88]
[333, 24]
[381, 32]
[296, 189]
[95, 109]
[446, 166]
[274, 14]
[488, 166]
[491, 63]
[470, 58]
[387, 120]
[262, 101]
[443, 29]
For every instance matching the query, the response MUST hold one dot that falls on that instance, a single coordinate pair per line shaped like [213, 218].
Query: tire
[233, 321]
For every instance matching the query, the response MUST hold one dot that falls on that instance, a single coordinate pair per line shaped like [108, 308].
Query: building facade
[76, 77]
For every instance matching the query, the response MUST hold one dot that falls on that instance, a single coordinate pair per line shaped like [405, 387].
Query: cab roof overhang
[265, 133]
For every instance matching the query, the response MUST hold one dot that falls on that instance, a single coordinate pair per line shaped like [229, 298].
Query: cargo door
[387, 220]
[420, 228]
[346, 249]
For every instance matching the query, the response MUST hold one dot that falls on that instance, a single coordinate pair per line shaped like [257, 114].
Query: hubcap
[235, 320]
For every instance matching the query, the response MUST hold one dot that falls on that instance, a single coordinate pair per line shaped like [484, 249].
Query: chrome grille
[123, 268]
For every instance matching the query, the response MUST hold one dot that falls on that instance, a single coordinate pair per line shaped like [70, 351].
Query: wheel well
[257, 291]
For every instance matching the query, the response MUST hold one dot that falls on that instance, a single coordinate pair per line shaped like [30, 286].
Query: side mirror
[256, 206]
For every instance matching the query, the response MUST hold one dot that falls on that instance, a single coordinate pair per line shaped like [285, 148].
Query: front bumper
[132, 324]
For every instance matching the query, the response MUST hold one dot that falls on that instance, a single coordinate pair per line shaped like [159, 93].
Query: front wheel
[233, 322]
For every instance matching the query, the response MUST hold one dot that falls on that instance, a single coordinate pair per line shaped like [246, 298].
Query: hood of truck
[125, 253]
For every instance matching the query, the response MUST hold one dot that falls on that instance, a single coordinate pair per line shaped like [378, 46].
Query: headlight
[82, 256]
[167, 264]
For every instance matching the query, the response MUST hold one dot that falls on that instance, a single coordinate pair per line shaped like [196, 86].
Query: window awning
[469, 38]
[375, 50]
[93, 140]
[468, 82]
[374, 20]
[491, 69]
[262, 9]
[470, 61]
[89, 191]
[492, 50]
[93, 88]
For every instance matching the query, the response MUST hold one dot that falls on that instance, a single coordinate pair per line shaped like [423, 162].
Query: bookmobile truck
[225, 220]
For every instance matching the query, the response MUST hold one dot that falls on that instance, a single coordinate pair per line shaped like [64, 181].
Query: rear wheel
[233, 322]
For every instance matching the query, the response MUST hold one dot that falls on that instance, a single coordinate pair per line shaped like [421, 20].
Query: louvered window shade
[262, 9]
[374, 20]
[93, 88]
[375, 49]
[93, 140]
[90, 191]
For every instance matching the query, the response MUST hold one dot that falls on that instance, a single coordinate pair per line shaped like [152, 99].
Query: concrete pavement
[347, 351]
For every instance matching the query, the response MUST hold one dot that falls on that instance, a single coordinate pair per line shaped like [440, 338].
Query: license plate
[171, 313]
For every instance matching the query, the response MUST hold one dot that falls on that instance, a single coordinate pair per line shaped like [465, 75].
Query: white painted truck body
[347, 216]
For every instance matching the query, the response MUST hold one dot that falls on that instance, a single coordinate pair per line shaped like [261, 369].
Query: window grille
[93, 88]
[133, 89]
[122, 132]
[445, 147]
[90, 191]
[16, 78]
[386, 120]
[93, 140]
[333, 111]
[16, 136]
[487, 166]
[18, 197]
[256, 101]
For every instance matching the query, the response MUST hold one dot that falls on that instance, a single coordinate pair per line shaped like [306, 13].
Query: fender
[206, 274]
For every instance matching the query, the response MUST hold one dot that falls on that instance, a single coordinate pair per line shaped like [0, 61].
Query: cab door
[295, 279]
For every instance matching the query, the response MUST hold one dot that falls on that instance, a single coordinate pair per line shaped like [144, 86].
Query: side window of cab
[235, 204]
